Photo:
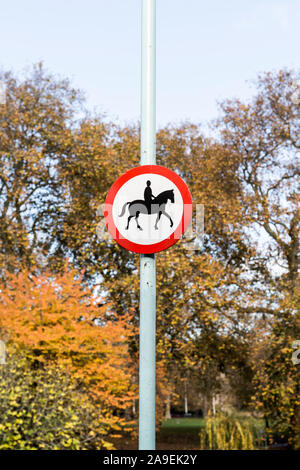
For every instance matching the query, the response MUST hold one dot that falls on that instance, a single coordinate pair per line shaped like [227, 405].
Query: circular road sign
[148, 209]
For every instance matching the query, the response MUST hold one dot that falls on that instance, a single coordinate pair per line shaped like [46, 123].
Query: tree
[262, 137]
[59, 321]
[34, 122]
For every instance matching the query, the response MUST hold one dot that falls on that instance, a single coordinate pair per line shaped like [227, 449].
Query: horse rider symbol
[150, 205]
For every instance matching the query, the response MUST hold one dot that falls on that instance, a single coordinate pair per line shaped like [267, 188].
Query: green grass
[179, 424]
[180, 433]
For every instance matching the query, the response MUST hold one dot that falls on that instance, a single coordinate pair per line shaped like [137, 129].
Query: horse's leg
[136, 219]
[157, 220]
[128, 220]
[167, 215]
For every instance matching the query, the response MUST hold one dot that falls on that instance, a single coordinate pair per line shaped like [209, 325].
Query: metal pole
[147, 262]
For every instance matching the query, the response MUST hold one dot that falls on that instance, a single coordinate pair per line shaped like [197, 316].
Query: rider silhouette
[148, 196]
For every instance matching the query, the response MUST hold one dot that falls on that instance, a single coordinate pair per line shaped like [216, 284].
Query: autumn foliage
[227, 305]
[58, 320]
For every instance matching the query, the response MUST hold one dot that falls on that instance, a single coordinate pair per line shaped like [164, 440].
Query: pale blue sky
[206, 50]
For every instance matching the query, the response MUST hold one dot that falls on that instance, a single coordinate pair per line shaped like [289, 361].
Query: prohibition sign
[148, 209]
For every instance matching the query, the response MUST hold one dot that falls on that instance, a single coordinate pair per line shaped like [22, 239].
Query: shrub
[41, 408]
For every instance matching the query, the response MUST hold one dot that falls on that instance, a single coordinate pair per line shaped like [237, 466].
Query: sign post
[147, 210]
[147, 261]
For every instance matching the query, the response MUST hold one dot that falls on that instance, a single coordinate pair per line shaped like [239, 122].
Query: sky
[207, 51]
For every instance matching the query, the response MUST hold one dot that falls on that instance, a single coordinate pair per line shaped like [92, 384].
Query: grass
[183, 424]
[180, 433]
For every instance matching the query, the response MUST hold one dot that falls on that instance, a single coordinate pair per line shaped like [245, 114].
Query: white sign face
[148, 209]
[146, 228]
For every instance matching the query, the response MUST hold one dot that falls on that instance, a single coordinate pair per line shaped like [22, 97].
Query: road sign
[148, 209]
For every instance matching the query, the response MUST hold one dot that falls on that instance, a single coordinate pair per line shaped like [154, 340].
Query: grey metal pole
[147, 262]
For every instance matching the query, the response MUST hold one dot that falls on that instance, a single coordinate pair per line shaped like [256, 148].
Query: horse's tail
[123, 209]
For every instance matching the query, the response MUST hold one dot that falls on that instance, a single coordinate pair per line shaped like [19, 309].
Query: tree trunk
[168, 407]
[186, 410]
[214, 404]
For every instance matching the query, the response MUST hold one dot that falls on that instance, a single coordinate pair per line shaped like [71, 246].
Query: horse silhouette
[158, 204]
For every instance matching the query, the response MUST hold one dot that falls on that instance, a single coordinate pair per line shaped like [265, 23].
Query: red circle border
[179, 230]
